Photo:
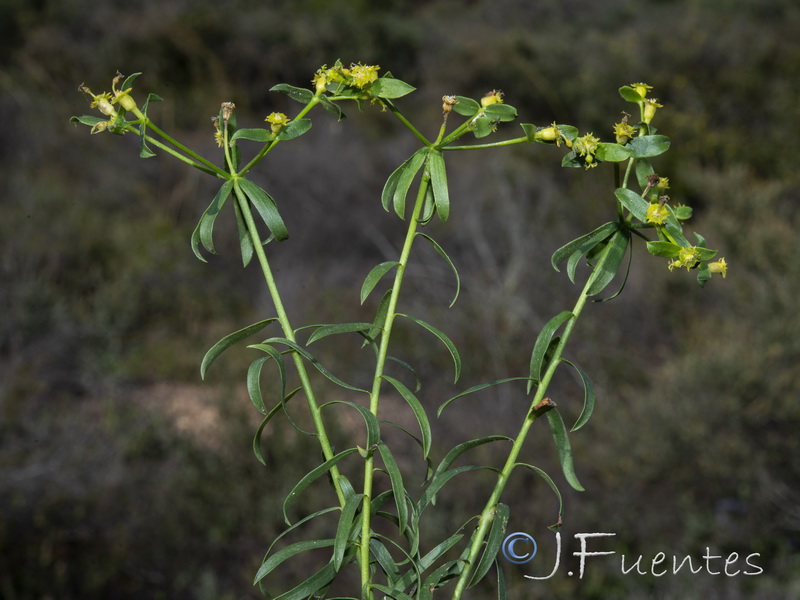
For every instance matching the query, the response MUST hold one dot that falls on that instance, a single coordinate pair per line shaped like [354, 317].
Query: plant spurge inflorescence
[400, 564]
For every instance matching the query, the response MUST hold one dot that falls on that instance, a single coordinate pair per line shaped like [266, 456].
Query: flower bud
[650, 106]
[493, 97]
[719, 266]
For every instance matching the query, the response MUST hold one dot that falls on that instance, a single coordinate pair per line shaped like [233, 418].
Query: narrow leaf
[444, 255]
[561, 439]
[405, 179]
[246, 246]
[543, 343]
[286, 553]
[346, 521]
[477, 388]
[265, 206]
[443, 338]
[206, 225]
[312, 585]
[418, 410]
[665, 249]
[458, 450]
[374, 276]
[323, 331]
[398, 488]
[332, 108]
[384, 559]
[228, 341]
[311, 477]
[643, 170]
[588, 396]
[493, 541]
[609, 262]
[568, 249]
[373, 427]
[254, 376]
[549, 482]
[439, 185]
[314, 362]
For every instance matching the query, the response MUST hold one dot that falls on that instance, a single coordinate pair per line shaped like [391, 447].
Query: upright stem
[537, 408]
[376, 382]
[288, 332]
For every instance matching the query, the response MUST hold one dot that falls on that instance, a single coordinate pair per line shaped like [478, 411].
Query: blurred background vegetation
[122, 476]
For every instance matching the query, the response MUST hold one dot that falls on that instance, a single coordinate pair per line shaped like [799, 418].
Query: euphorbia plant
[403, 563]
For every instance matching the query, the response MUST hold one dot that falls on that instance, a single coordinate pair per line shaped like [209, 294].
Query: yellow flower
[122, 97]
[624, 132]
[650, 106]
[688, 257]
[657, 213]
[642, 88]
[362, 76]
[277, 121]
[719, 266]
[586, 146]
[493, 97]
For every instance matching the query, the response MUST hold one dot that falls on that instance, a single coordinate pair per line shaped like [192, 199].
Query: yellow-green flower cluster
[623, 132]
[586, 146]
[277, 121]
[105, 102]
[358, 75]
[493, 97]
[657, 213]
[687, 257]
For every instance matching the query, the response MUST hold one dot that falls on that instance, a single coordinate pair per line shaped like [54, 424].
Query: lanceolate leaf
[458, 450]
[286, 553]
[443, 338]
[609, 262]
[561, 439]
[265, 206]
[567, 250]
[477, 388]
[443, 254]
[254, 135]
[643, 170]
[374, 276]
[311, 477]
[312, 585]
[343, 529]
[294, 129]
[588, 396]
[310, 358]
[323, 331]
[245, 241]
[493, 541]
[228, 341]
[254, 376]
[205, 227]
[406, 177]
[549, 482]
[543, 343]
[275, 409]
[398, 489]
[418, 410]
[439, 185]
[373, 427]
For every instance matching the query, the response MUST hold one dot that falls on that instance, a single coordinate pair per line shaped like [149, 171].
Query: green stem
[288, 333]
[490, 145]
[539, 405]
[390, 105]
[377, 379]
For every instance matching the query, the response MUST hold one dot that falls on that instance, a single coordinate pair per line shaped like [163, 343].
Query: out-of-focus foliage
[103, 496]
